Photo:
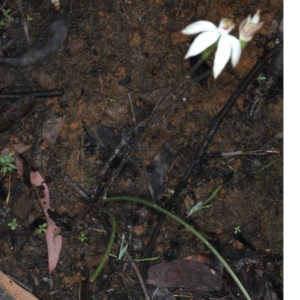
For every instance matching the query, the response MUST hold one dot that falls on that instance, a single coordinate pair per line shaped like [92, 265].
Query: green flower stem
[243, 44]
[189, 228]
[209, 50]
[105, 257]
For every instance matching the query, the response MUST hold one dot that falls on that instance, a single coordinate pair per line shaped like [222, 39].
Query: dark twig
[37, 94]
[198, 157]
[76, 187]
[140, 151]
[150, 188]
[102, 191]
[138, 274]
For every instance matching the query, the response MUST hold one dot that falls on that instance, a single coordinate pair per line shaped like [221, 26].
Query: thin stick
[131, 108]
[140, 152]
[138, 274]
[103, 192]
[75, 186]
[37, 94]
[241, 153]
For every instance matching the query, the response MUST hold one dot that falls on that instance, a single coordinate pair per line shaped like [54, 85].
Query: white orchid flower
[249, 27]
[228, 45]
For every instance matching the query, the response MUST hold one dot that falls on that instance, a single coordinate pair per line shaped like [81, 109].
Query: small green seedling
[6, 167]
[13, 224]
[7, 163]
[82, 237]
[204, 204]
[42, 228]
[111, 100]
[237, 229]
[7, 14]
[8, 18]
[261, 77]
[28, 18]
[124, 245]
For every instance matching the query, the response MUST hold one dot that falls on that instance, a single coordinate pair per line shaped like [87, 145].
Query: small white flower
[249, 27]
[228, 45]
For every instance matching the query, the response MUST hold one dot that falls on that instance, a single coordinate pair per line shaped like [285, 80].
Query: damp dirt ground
[119, 60]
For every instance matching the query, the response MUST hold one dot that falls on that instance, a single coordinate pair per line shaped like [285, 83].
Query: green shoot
[237, 229]
[6, 167]
[124, 245]
[8, 18]
[261, 77]
[82, 237]
[105, 257]
[42, 228]
[7, 163]
[204, 204]
[13, 224]
[28, 18]
[7, 14]
[111, 100]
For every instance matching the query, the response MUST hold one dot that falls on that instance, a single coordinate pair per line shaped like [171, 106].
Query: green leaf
[204, 204]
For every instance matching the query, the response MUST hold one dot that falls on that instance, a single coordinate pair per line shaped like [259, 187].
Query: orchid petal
[236, 49]
[199, 26]
[256, 17]
[222, 55]
[202, 42]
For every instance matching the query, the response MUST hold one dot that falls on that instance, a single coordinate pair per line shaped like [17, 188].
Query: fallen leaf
[54, 244]
[195, 273]
[53, 232]
[8, 286]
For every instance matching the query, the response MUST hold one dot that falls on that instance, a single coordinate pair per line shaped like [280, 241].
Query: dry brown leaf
[195, 273]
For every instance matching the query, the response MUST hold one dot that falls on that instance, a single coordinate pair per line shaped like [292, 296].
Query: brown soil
[116, 50]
